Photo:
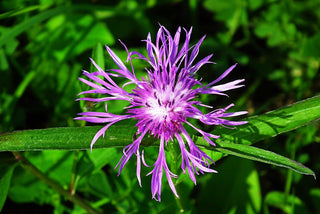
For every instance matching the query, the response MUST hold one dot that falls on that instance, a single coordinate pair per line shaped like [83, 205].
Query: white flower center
[157, 109]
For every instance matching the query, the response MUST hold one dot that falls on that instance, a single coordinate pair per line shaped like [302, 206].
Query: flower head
[161, 103]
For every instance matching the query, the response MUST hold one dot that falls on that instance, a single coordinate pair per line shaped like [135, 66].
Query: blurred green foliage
[45, 44]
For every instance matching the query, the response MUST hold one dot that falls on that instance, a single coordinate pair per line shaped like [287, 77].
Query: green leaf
[311, 46]
[99, 184]
[256, 154]
[67, 138]
[55, 164]
[98, 57]
[23, 10]
[287, 203]
[103, 157]
[6, 171]
[16, 30]
[25, 188]
[237, 182]
[121, 134]
[84, 166]
[272, 123]
[236, 141]
[315, 198]
[92, 162]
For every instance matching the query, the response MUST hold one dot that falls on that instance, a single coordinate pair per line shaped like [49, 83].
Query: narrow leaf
[98, 57]
[6, 171]
[256, 154]
[18, 29]
[17, 12]
[67, 138]
[121, 134]
[272, 123]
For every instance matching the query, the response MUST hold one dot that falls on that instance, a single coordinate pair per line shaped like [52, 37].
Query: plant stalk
[54, 185]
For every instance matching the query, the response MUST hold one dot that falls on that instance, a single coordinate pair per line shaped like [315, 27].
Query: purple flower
[162, 102]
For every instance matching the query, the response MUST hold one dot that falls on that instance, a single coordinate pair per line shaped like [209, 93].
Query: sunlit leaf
[286, 203]
[272, 123]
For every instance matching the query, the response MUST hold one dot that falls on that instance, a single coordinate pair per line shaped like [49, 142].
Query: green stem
[174, 156]
[292, 150]
[288, 186]
[73, 178]
[179, 204]
[54, 185]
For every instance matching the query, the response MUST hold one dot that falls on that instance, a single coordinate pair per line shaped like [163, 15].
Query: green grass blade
[25, 25]
[23, 10]
[18, 29]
